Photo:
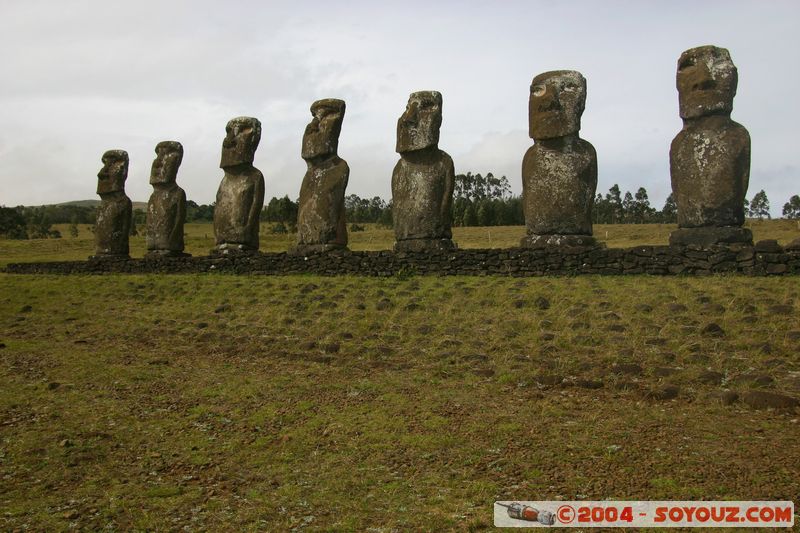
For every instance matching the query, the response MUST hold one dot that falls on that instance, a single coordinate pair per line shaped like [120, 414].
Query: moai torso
[166, 209]
[423, 180]
[166, 214]
[240, 196]
[321, 222]
[239, 201]
[422, 194]
[558, 186]
[710, 171]
[113, 220]
[321, 212]
[559, 172]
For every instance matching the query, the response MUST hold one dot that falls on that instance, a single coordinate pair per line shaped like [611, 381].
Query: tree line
[478, 200]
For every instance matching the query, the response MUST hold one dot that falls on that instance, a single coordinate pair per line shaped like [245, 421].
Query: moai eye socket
[538, 90]
[686, 63]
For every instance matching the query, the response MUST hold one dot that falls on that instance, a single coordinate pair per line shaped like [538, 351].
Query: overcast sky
[81, 77]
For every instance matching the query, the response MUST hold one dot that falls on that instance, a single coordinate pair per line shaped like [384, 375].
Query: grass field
[219, 402]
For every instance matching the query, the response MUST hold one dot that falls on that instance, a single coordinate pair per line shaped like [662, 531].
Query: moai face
[322, 133]
[242, 135]
[706, 80]
[169, 155]
[112, 176]
[418, 127]
[556, 104]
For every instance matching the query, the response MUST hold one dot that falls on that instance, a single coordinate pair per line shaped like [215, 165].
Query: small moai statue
[112, 225]
[166, 209]
[423, 179]
[321, 224]
[240, 196]
[710, 156]
[559, 172]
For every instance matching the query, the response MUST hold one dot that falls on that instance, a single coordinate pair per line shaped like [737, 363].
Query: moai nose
[702, 79]
[411, 116]
[549, 100]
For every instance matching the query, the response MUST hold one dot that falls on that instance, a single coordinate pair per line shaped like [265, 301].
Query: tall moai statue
[321, 224]
[112, 225]
[710, 156]
[559, 172]
[240, 197]
[166, 209]
[423, 179]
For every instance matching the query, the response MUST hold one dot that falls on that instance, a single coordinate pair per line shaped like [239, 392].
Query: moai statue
[423, 179]
[112, 226]
[240, 197]
[710, 156]
[166, 210]
[559, 172]
[321, 222]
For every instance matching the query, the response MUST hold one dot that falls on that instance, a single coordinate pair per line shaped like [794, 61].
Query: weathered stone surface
[240, 197]
[321, 224]
[709, 235]
[113, 222]
[559, 172]
[423, 179]
[166, 209]
[761, 399]
[710, 156]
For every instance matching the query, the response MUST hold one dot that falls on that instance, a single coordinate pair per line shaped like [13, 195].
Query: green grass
[129, 402]
[200, 239]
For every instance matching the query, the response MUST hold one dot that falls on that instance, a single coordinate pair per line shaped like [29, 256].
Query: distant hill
[95, 203]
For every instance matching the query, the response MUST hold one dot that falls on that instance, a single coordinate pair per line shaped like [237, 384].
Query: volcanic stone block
[166, 209]
[710, 156]
[113, 223]
[559, 172]
[321, 224]
[240, 197]
[423, 179]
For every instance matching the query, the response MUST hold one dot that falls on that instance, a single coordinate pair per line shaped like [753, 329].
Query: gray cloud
[82, 77]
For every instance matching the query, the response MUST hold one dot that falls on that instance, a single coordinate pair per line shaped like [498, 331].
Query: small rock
[631, 369]
[610, 315]
[222, 308]
[53, 385]
[519, 304]
[65, 443]
[761, 399]
[677, 308]
[662, 371]
[547, 336]
[332, 347]
[383, 304]
[549, 380]
[591, 384]
[728, 397]
[781, 309]
[667, 392]
[202, 325]
[542, 303]
[709, 377]
[768, 246]
[71, 515]
[346, 335]
[2, 345]
[643, 308]
[424, 330]
[713, 330]
[26, 309]
[616, 327]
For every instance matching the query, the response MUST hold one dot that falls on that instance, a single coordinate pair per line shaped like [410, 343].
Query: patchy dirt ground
[220, 402]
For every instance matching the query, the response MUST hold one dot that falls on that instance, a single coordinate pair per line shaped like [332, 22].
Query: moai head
[419, 125]
[112, 176]
[706, 81]
[242, 135]
[169, 155]
[556, 104]
[322, 133]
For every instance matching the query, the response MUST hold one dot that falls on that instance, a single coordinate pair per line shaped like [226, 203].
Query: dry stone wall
[765, 258]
